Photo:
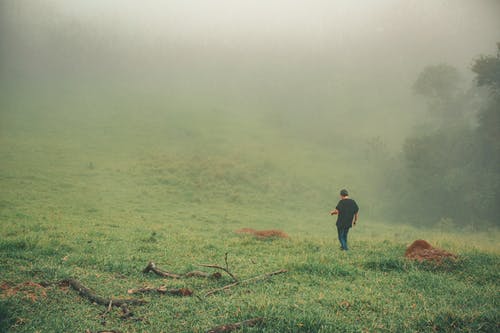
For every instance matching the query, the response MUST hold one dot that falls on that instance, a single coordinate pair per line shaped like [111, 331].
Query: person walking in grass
[347, 216]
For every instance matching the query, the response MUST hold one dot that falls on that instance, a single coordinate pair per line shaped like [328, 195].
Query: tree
[452, 170]
[487, 70]
[438, 171]
[442, 87]
[438, 82]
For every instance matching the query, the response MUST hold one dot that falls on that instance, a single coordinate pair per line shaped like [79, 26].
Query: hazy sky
[396, 35]
[284, 50]
[438, 30]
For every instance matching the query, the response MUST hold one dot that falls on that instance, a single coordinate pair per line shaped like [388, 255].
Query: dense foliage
[451, 172]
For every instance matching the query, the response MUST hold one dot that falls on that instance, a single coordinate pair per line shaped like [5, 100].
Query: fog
[329, 74]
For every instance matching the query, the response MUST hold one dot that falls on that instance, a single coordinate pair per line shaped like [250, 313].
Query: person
[347, 216]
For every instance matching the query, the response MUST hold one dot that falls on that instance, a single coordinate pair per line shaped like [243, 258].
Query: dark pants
[343, 236]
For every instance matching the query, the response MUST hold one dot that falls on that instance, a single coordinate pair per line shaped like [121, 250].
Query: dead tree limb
[91, 296]
[151, 267]
[163, 290]
[236, 326]
[252, 279]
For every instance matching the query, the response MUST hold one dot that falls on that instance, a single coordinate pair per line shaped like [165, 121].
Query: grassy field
[96, 195]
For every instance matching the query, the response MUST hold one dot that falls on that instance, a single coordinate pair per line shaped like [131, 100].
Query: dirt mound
[421, 250]
[263, 233]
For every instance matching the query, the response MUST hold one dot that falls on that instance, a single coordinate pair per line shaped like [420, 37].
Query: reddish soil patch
[30, 290]
[263, 233]
[421, 250]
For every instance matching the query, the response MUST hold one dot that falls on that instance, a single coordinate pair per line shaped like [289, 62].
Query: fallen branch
[163, 290]
[91, 296]
[151, 267]
[255, 278]
[236, 326]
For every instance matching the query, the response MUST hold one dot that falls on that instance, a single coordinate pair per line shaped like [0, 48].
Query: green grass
[371, 288]
[97, 196]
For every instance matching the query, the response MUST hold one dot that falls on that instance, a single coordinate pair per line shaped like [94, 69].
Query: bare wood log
[90, 295]
[163, 290]
[252, 279]
[236, 326]
[151, 267]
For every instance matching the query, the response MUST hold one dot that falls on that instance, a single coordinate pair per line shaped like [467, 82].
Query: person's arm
[356, 211]
[334, 212]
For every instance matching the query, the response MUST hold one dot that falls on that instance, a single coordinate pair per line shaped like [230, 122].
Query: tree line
[448, 172]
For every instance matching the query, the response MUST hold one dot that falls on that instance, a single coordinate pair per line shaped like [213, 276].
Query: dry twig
[221, 268]
[226, 269]
[255, 278]
[163, 290]
[151, 267]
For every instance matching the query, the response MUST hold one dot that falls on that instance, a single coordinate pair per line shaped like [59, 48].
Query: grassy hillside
[95, 188]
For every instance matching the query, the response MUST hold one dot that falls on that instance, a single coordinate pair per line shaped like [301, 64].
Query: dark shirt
[347, 209]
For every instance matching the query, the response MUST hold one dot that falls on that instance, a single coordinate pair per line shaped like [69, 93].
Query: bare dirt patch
[30, 290]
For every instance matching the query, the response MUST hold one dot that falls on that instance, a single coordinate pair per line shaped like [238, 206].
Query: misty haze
[209, 142]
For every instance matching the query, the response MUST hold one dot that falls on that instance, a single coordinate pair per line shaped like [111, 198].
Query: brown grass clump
[263, 233]
[421, 250]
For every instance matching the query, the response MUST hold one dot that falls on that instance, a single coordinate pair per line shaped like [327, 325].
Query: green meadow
[95, 188]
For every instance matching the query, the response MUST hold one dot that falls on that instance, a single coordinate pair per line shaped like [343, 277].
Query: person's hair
[344, 193]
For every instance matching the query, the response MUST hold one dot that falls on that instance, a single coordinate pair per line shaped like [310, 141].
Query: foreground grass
[371, 288]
